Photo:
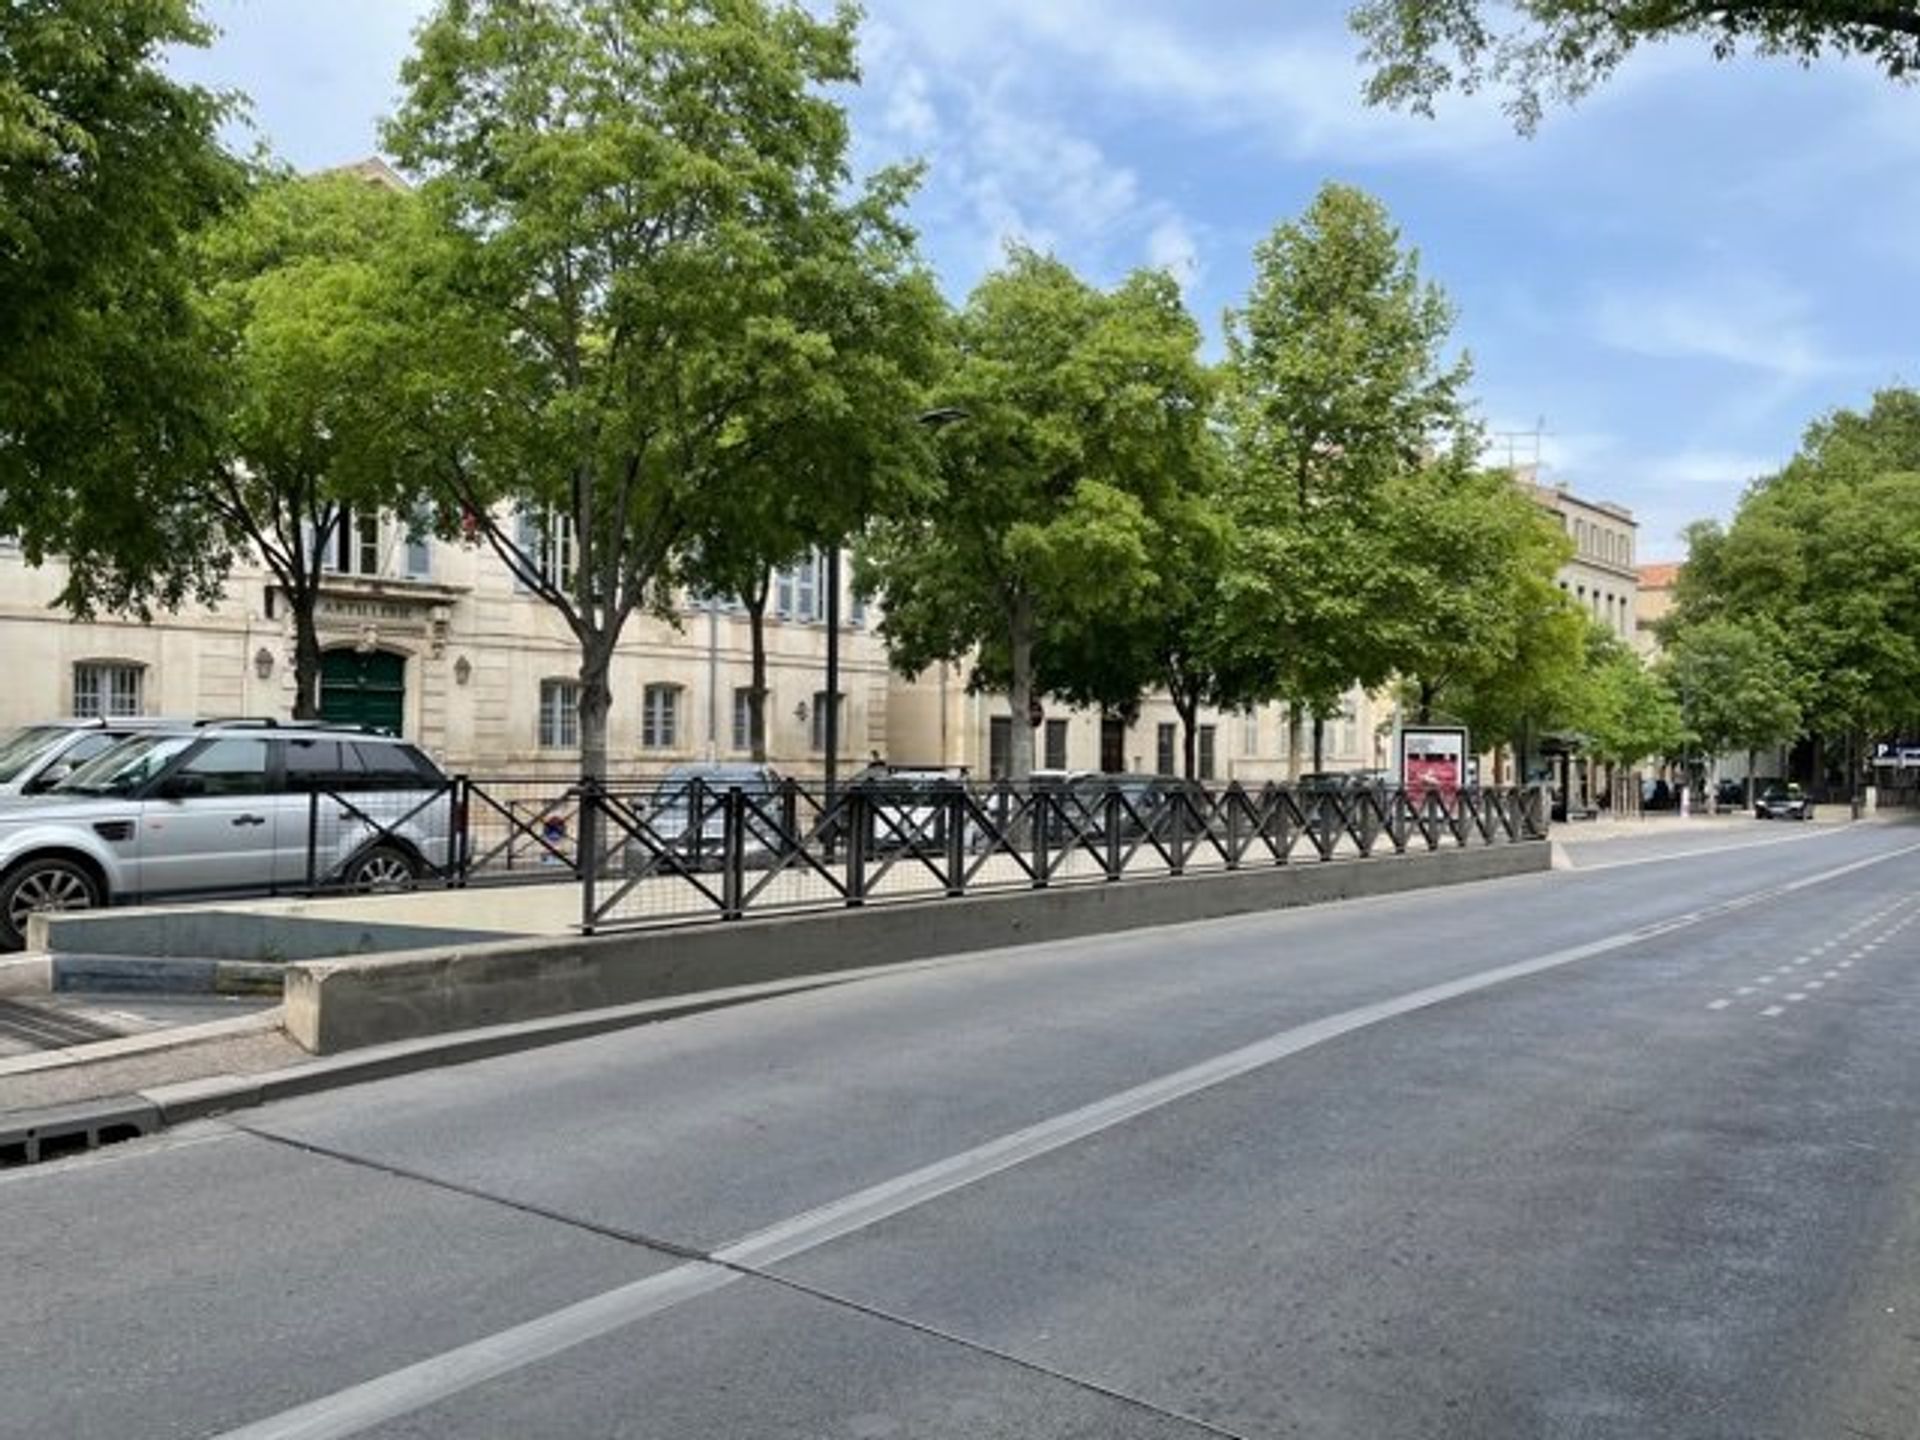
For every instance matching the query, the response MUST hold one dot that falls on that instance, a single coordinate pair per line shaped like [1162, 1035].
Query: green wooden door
[364, 689]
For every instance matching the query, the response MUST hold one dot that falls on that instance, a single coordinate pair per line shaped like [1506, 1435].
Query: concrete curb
[151, 1042]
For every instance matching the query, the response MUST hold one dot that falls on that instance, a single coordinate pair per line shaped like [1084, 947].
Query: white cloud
[1746, 319]
[1171, 247]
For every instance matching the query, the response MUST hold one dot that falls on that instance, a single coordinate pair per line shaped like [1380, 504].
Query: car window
[231, 767]
[319, 765]
[22, 747]
[126, 767]
[391, 767]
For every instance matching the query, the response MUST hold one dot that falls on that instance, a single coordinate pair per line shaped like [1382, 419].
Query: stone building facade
[435, 640]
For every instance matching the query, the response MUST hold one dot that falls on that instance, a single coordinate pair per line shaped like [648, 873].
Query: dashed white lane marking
[1718, 1004]
[1763, 979]
[1744, 990]
[1804, 959]
[1772, 1010]
[359, 1408]
[1815, 984]
[1830, 975]
[1846, 965]
[1795, 997]
[1783, 970]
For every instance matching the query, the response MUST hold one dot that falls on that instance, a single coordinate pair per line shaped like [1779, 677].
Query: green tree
[1623, 708]
[107, 164]
[855, 449]
[630, 180]
[1825, 556]
[1474, 566]
[1336, 391]
[293, 301]
[1556, 51]
[1085, 424]
[1734, 686]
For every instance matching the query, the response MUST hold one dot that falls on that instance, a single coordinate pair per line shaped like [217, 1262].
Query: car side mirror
[49, 777]
[182, 787]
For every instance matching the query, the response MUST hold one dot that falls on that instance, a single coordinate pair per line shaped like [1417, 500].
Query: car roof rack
[258, 722]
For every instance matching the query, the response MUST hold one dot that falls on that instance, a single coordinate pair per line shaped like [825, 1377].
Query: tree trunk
[1319, 744]
[1188, 708]
[756, 607]
[306, 655]
[1426, 702]
[1020, 691]
[1753, 757]
[596, 702]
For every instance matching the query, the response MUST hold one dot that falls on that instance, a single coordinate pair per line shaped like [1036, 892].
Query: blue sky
[1672, 278]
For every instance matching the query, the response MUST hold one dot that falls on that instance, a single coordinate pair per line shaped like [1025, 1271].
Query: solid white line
[360, 1407]
[1689, 854]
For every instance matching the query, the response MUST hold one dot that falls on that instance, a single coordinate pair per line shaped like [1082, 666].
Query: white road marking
[1795, 997]
[1846, 965]
[1816, 984]
[1718, 1004]
[1772, 1010]
[413, 1387]
[1763, 979]
[1830, 975]
[1744, 990]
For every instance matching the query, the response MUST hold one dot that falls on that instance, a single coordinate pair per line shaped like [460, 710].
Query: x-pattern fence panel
[675, 850]
[787, 846]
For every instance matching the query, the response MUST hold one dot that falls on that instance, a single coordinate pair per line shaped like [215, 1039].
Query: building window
[1163, 756]
[1207, 734]
[797, 590]
[660, 717]
[1056, 745]
[1349, 729]
[743, 718]
[820, 711]
[104, 688]
[419, 539]
[1250, 733]
[999, 746]
[546, 542]
[559, 715]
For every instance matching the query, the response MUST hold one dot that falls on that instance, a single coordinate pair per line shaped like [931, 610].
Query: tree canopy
[1336, 391]
[631, 182]
[1555, 51]
[1086, 420]
[1825, 555]
[107, 166]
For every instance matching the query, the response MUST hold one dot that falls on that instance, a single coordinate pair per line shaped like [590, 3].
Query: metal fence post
[956, 838]
[590, 818]
[313, 840]
[852, 804]
[733, 877]
[1038, 806]
[1177, 862]
[1115, 809]
[1232, 801]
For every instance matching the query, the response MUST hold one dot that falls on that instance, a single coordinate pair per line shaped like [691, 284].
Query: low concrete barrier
[334, 1005]
[235, 934]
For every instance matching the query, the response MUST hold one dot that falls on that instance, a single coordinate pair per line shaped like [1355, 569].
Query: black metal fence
[704, 852]
[667, 850]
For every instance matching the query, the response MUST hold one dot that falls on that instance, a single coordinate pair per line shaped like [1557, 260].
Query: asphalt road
[1629, 1150]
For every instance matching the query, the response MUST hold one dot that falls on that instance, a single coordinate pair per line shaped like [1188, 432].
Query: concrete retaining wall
[189, 933]
[334, 1005]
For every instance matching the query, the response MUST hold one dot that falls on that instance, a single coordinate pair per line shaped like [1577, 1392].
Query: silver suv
[35, 758]
[225, 808]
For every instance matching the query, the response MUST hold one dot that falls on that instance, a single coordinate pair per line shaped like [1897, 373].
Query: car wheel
[383, 870]
[43, 885]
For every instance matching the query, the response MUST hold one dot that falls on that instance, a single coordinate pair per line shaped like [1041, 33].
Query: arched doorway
[364, 688]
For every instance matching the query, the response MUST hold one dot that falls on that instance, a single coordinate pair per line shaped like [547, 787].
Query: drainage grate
[31, 1136]
[46, 1029]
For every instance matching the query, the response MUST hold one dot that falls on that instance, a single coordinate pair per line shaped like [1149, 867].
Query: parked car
[909, 807]
[35, 758]
[1731, 792]
[228, 808]
[1783, 802]
[687, 813]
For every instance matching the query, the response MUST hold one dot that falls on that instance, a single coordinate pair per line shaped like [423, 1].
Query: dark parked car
[1783, 802]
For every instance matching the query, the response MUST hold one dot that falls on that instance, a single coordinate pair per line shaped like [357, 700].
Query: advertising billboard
[1434, 757]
